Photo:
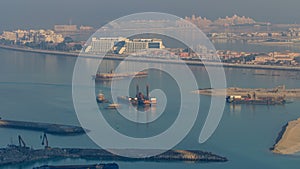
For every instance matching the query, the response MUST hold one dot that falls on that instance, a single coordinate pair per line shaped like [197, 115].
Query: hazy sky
[45, 13]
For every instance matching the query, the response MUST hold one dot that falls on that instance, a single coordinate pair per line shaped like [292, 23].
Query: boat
[111, 75]
[139, 100]
[253, 100]
[101, 98]
[113, 106]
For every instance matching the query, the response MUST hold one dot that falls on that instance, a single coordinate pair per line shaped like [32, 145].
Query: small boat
[101, 98]
[113, 106]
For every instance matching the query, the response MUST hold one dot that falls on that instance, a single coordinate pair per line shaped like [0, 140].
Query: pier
[56, 129]
[91, 166]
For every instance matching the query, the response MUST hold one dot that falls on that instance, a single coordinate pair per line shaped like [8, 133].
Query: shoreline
[55, 129]
[188, 62]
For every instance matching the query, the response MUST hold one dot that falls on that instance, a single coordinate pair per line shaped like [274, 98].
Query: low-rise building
[65, 28]
[9, 36]
[135, 45]
[85, 28]
[122, 45]
[33, 36]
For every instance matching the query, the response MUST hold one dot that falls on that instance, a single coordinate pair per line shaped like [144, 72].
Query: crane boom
[45, 140]
[21, 142]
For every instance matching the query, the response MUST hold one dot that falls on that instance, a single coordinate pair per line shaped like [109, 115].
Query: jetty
[56, 129]
[91, 166]
[288, 141]
[20, 154]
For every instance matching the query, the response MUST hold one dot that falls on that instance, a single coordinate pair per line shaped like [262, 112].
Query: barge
[111, 75]
[251, 100]
[139, 100]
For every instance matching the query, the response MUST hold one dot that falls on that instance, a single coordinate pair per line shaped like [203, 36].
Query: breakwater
[16, 154]
[57, 129]
[91, 166]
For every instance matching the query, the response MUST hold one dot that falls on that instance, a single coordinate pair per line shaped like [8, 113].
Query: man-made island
[155, 60]
[288, 141]
[16, 154]
[276, 92]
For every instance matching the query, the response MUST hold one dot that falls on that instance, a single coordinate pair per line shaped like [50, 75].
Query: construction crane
[21, 142]
[45, 141]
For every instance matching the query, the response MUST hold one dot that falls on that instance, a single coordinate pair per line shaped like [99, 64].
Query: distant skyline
[44, 14]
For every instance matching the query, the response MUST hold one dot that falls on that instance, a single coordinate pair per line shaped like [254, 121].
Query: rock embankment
[16, 154]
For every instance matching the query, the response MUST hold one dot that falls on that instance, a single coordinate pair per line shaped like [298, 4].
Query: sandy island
[260, 92]
[289, 143]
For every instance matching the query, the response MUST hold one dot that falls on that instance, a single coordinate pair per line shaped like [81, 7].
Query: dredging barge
[16, 154]
[56, 129]
[140, 99]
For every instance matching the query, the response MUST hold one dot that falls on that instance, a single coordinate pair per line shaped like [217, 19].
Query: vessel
[111, 75]
[101, 98]
[253, 100]
[113, 106]
[139, 100]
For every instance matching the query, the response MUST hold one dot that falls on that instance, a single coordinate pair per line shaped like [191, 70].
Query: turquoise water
[36, 87]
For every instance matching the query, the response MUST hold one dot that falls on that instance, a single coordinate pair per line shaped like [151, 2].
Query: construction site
[277, 95]
[21, 153]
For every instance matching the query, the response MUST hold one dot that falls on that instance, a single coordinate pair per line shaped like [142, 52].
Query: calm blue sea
[37, 87]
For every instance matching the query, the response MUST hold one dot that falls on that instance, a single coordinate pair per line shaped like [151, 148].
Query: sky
[45, 13]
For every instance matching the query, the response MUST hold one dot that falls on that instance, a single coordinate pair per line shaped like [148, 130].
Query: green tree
[68, 40]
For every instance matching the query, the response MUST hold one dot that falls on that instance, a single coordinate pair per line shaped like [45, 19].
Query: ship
[237, 99]
[139, 100]
[113, 106]
[109, 76]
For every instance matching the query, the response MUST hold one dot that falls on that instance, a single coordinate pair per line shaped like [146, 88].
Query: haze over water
[42, 92]
[20, 14]
[37, 87]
